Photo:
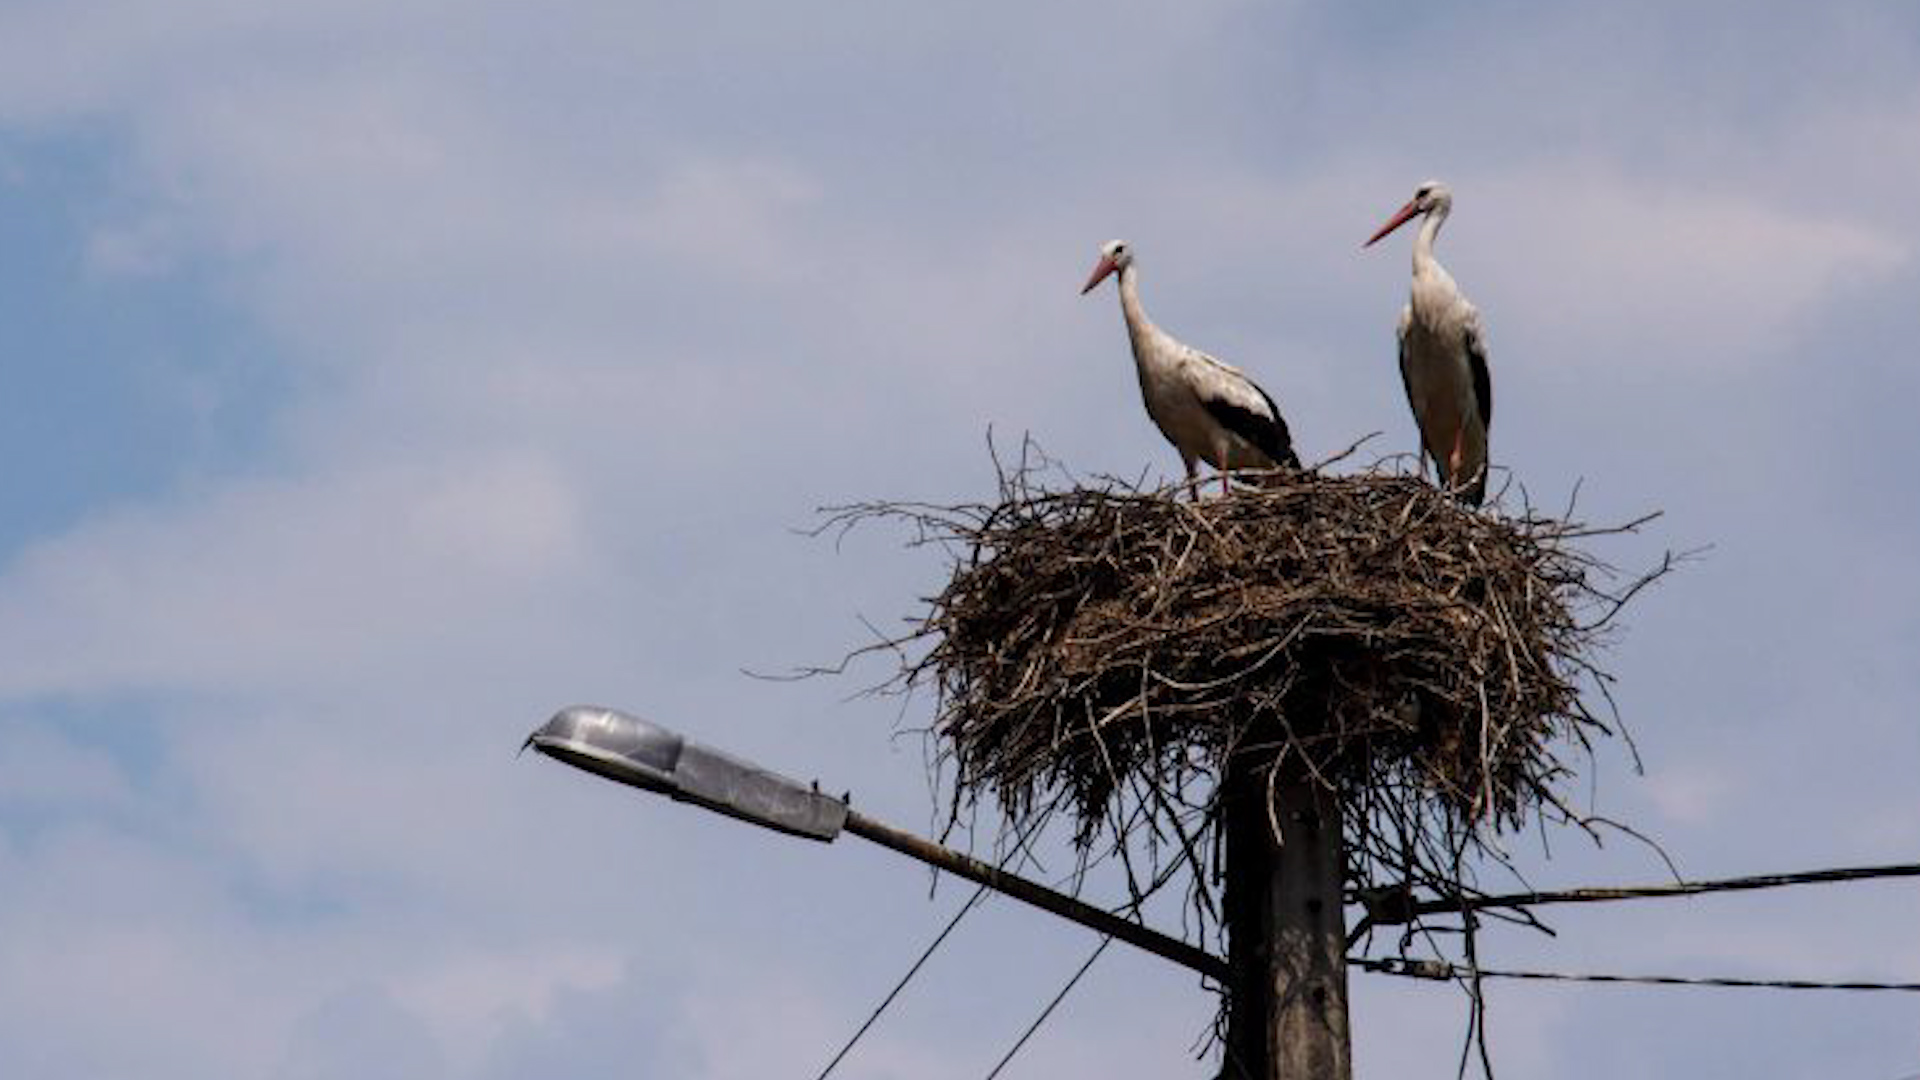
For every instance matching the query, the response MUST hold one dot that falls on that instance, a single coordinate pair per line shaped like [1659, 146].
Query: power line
[1389, 907]
[1440, 970]
[1019, 849]
[1048, 1011]
[904, 980]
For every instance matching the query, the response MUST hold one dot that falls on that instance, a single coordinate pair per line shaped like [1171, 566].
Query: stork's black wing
[1267, 432]
[1482, 397]
[1406, 384]
[1482, 377]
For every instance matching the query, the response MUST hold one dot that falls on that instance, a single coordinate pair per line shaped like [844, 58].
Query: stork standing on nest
[1208, 410]
[1443, 358]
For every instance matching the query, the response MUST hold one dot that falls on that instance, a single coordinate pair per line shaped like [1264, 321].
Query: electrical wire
[904, 980]
[1387, 908]
[1051, 1005]
[1021, 837]
[1440, 970]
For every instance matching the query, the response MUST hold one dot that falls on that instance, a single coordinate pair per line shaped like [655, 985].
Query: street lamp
[653, 758]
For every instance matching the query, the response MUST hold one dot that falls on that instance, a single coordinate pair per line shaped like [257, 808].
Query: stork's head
[1431, 197]
[1114, 255]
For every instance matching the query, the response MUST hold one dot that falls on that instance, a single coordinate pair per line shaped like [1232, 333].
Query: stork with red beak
[1208, 410]
[1443, 357]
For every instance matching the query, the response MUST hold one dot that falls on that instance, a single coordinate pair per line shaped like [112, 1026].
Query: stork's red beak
[1100, 271]
[1405, 214]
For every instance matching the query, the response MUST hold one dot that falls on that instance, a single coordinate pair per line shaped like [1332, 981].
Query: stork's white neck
[1423, 260]
[1139, 327]
[1435, 297]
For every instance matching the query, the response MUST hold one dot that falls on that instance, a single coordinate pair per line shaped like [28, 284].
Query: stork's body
[1208, 410]
[1443, 357]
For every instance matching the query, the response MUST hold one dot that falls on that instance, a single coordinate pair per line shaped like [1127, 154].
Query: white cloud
[41, 772]
[277, 584]
[1695, 794]
[109, 934]
[1637, 273]
[467, 999]
[147, 247]
[360, 1032]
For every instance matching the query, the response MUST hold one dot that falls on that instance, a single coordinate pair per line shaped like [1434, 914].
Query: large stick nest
[1103, 650]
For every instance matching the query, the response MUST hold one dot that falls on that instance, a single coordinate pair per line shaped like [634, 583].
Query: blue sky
[383, 376]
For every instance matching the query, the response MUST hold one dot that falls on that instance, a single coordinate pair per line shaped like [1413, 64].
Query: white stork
[1443, 358]
[1208, 410]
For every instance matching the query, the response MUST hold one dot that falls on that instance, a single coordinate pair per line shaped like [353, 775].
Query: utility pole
[1286, 928]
